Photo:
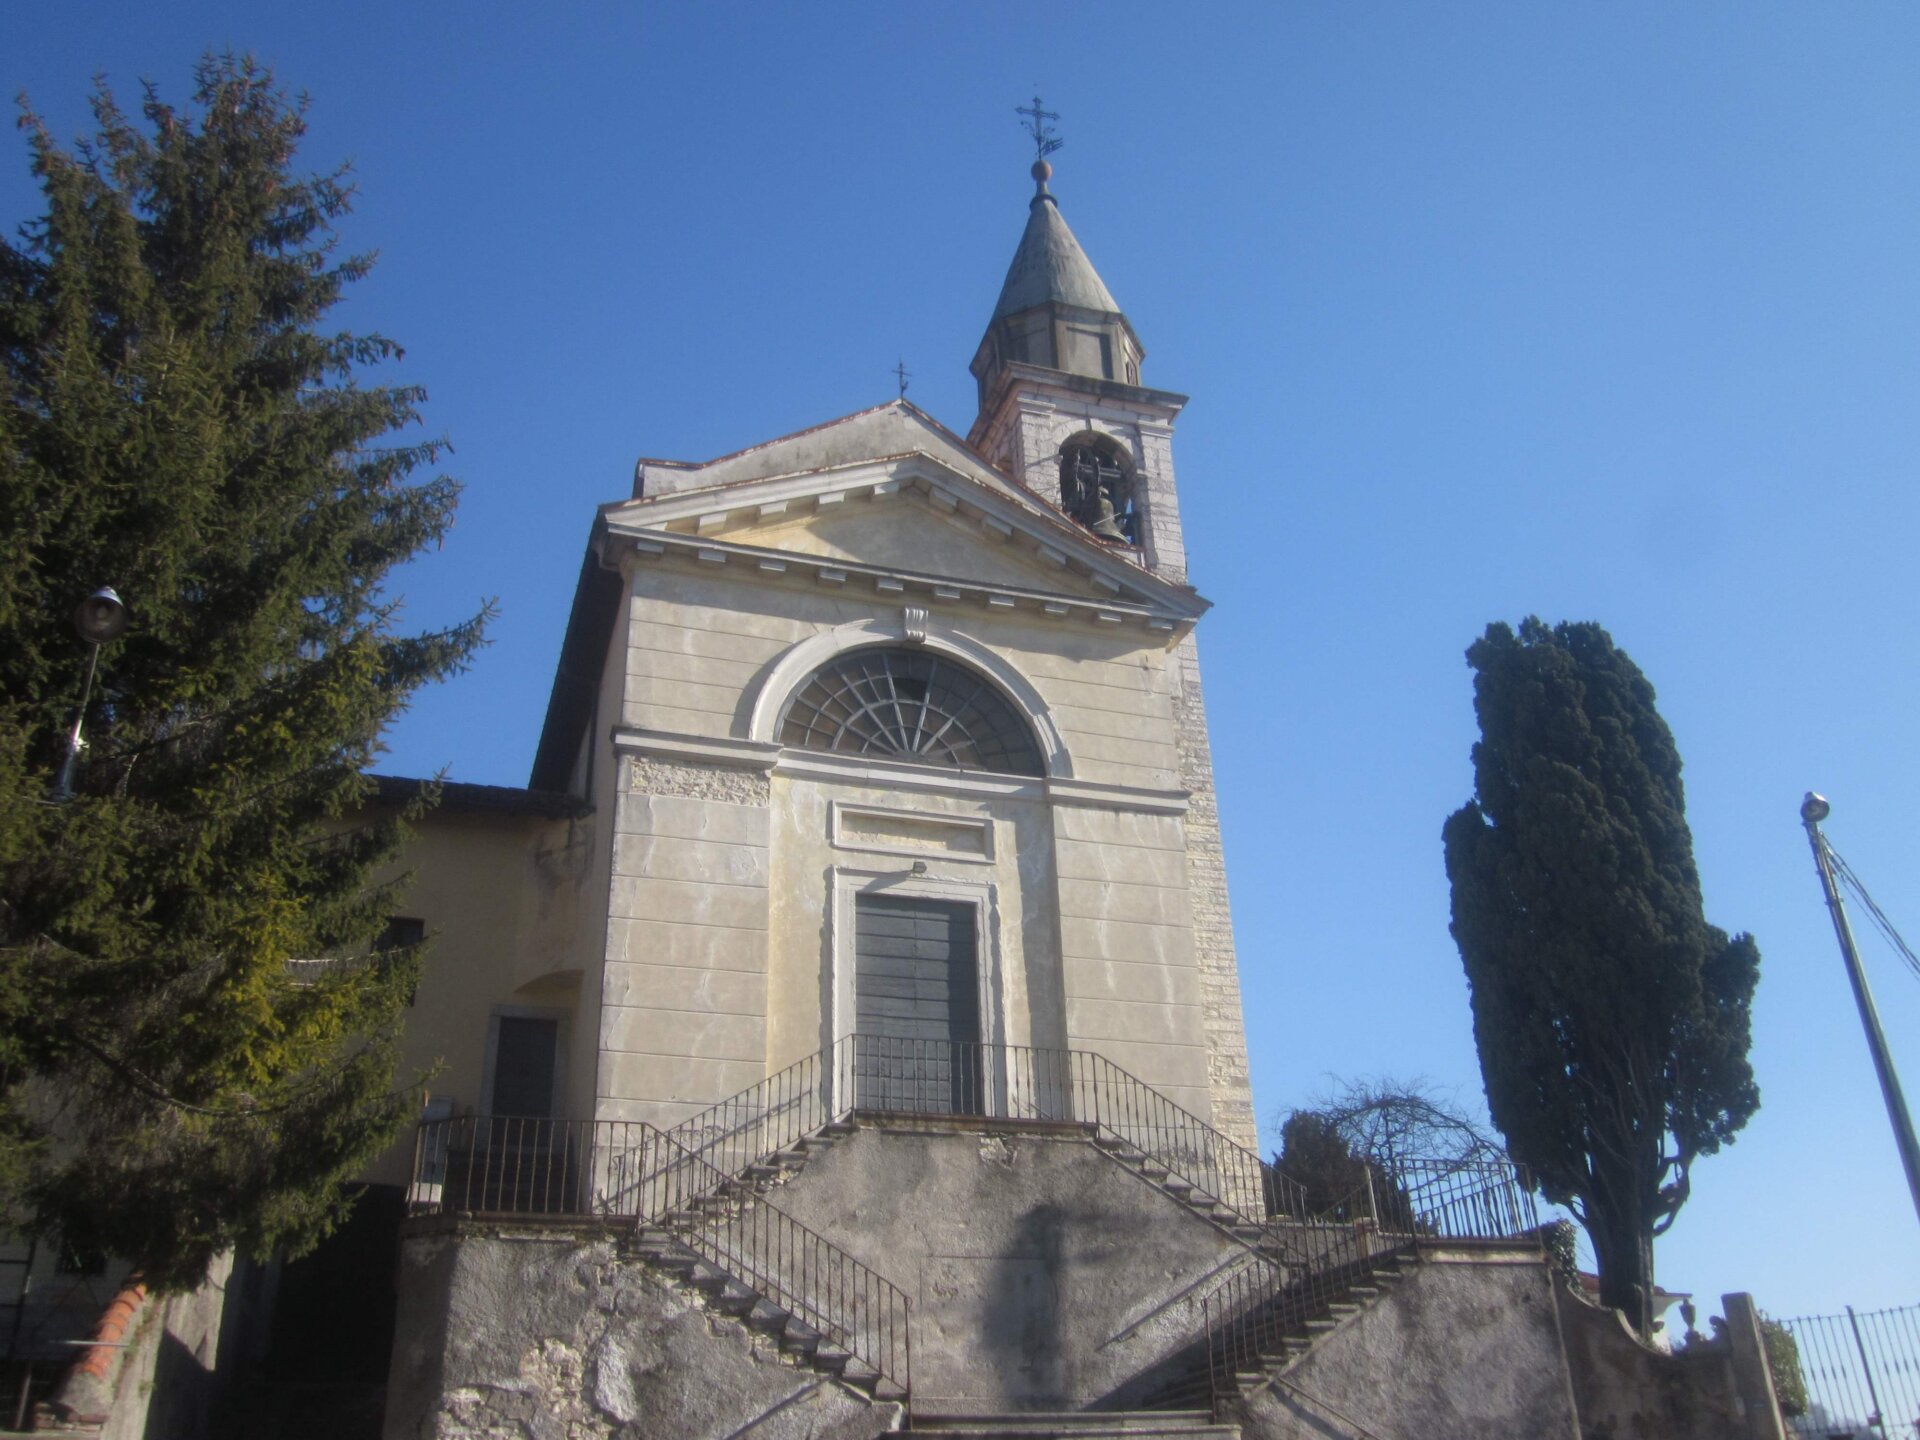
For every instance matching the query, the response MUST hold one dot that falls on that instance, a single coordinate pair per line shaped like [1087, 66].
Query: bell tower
[1062, 408]
[1063, 411]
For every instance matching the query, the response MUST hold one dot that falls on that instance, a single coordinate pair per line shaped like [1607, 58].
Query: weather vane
[1045, 142]
[902, 374]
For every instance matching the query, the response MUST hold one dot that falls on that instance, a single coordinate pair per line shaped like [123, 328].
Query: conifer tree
[1612, 1021]
[178, 425]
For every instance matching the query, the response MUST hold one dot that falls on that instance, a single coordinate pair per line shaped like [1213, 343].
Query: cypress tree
[1612, 1021]
[177, 424]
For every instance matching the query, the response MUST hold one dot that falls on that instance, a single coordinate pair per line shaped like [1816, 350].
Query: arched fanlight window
[1096, 490]
[916, 705]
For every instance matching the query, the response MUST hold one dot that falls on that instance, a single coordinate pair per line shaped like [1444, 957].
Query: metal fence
[1257, 1312]
[868, 1074]
[620, 1170]
[1861, 1372]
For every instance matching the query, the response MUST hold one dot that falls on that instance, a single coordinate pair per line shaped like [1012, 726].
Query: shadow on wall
[1023, 1315]
[183, 1393]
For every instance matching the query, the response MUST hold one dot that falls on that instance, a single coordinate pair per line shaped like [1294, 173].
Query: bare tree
[1387, 1120]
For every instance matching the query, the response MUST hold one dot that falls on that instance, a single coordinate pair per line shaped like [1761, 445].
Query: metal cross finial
[902, 374]
[1044, 140]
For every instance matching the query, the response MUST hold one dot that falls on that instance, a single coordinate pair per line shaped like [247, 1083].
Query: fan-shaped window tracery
[910, 704]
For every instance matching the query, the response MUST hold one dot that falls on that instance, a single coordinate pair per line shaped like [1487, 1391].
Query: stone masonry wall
[1464, 1348]
[1227, 1073]
[553, 1336]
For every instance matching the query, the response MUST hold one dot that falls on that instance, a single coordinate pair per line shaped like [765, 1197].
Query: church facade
[867, 689]
[841, 1032]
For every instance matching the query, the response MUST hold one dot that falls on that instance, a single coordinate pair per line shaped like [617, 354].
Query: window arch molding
[795, 666]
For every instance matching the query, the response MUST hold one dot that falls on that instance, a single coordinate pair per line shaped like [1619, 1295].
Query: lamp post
[101, 617]
[1813, 810]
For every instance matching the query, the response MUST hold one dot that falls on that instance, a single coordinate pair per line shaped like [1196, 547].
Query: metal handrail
[1251, 1315]
[851, 1305]
[631, 1172]
[882, 1075]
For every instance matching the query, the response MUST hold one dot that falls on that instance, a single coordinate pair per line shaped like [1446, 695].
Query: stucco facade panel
[689, 902]
[1166, 1066]
[1141, 1022]
[660, 857]
[676, 720]
[1024, 1260]
[1139, 904]
[712, 639]
[1120, 940]
[1122, 865]
[1154, 984]
[688, 819]
[1110, 772]
[1130, 699]
[1147, 720]
[654, 1029]
[1088, 749]
[688, 1079]
[678, 666]
[679, 987]
[1098, 826]
[650, 692]
[659, 942]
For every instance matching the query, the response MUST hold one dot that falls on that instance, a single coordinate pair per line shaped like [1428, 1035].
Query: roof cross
[1045, 142]
[902, 374]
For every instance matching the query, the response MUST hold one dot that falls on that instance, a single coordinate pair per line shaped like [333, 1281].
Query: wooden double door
[917, 1030]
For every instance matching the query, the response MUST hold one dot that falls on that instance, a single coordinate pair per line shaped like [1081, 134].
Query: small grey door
[916, 1006]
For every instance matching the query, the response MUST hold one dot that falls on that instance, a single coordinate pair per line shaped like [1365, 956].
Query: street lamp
[101, 617]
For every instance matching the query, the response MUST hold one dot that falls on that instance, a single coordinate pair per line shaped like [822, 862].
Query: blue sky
[1596, 312]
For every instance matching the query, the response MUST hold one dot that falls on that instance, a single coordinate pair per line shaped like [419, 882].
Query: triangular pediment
[910, 517]
[896, 428]
[932, 512]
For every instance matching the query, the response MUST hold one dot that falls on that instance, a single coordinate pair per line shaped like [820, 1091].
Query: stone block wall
[552, 1336]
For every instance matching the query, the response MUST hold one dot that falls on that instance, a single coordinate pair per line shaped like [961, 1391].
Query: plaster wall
[1625, 1389]
[699, 645]
[554, 1337]
[1043, 1275]
[684, 1017]
[727, 946]
[1465, 1347]
[506, 902]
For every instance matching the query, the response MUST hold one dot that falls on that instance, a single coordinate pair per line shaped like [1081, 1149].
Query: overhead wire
[1844, 872]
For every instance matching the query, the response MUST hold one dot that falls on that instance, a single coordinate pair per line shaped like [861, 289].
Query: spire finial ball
[1042, 171]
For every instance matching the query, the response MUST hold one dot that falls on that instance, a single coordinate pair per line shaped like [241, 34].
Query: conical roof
[1051, 266]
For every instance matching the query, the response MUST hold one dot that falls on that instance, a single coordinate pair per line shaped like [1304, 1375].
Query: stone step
[1075, 1425]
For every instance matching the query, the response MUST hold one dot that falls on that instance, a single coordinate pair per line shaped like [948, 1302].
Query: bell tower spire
[1061, 404]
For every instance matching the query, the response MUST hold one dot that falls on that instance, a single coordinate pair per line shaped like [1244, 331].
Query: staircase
[701, 1198]
[799, 1341]
[723, 1235]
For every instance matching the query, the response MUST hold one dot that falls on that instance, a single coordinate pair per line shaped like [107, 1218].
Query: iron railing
[1861, 1371]
[1256, 1312]
[876, 1075]
[696, 1184]
[739, 1230]
[628, 1171]
[511, 1165]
